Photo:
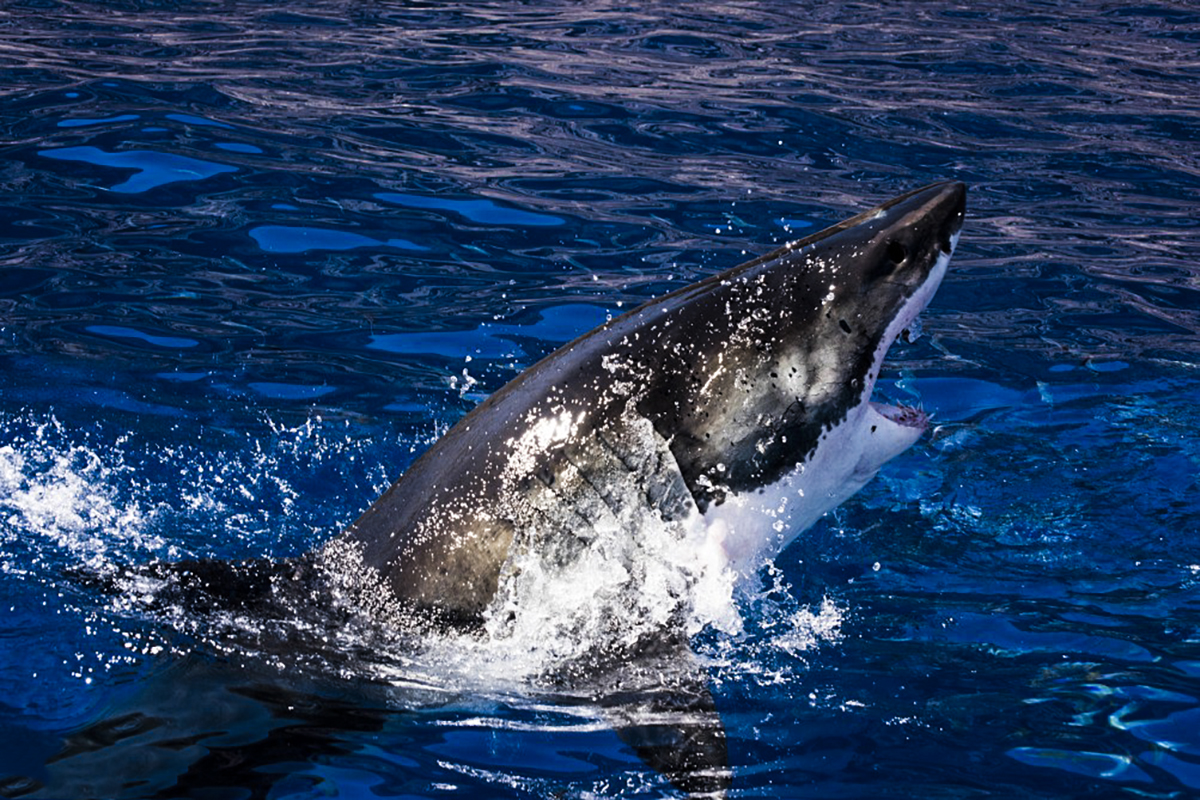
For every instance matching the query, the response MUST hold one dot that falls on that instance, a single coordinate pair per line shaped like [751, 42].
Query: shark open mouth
[905, 416]
[907, 327]
[902, 415]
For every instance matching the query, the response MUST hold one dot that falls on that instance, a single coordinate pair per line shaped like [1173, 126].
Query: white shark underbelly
[750, 528]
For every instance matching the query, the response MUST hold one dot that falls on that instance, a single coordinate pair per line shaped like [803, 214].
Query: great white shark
[727, 417]
[738, 409]
[711, 425]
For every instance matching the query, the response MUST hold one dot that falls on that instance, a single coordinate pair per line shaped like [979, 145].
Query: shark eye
[894, 255]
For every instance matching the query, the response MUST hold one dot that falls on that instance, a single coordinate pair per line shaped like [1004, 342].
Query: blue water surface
[255, 258]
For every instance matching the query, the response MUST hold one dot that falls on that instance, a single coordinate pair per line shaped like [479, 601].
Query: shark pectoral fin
[663, 709]
[679, 736]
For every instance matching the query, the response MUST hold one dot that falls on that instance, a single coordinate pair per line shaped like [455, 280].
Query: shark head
[883, 267]
[770, 414]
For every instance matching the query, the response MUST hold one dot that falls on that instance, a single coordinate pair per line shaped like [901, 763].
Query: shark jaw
[890, 430]
[847, 456]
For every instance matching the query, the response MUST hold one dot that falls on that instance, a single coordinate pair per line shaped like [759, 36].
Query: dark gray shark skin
[722, 388]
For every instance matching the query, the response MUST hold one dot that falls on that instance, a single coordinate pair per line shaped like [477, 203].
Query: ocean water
[255, 257]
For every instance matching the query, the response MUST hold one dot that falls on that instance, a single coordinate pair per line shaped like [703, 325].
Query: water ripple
[219, 213]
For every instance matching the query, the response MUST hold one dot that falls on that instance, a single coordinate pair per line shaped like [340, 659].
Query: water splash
[69, 496]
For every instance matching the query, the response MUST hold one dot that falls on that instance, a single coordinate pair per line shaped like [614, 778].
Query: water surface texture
[254, 257]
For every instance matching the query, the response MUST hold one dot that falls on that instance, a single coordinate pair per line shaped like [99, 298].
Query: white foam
[630, 582]
[67, 495]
